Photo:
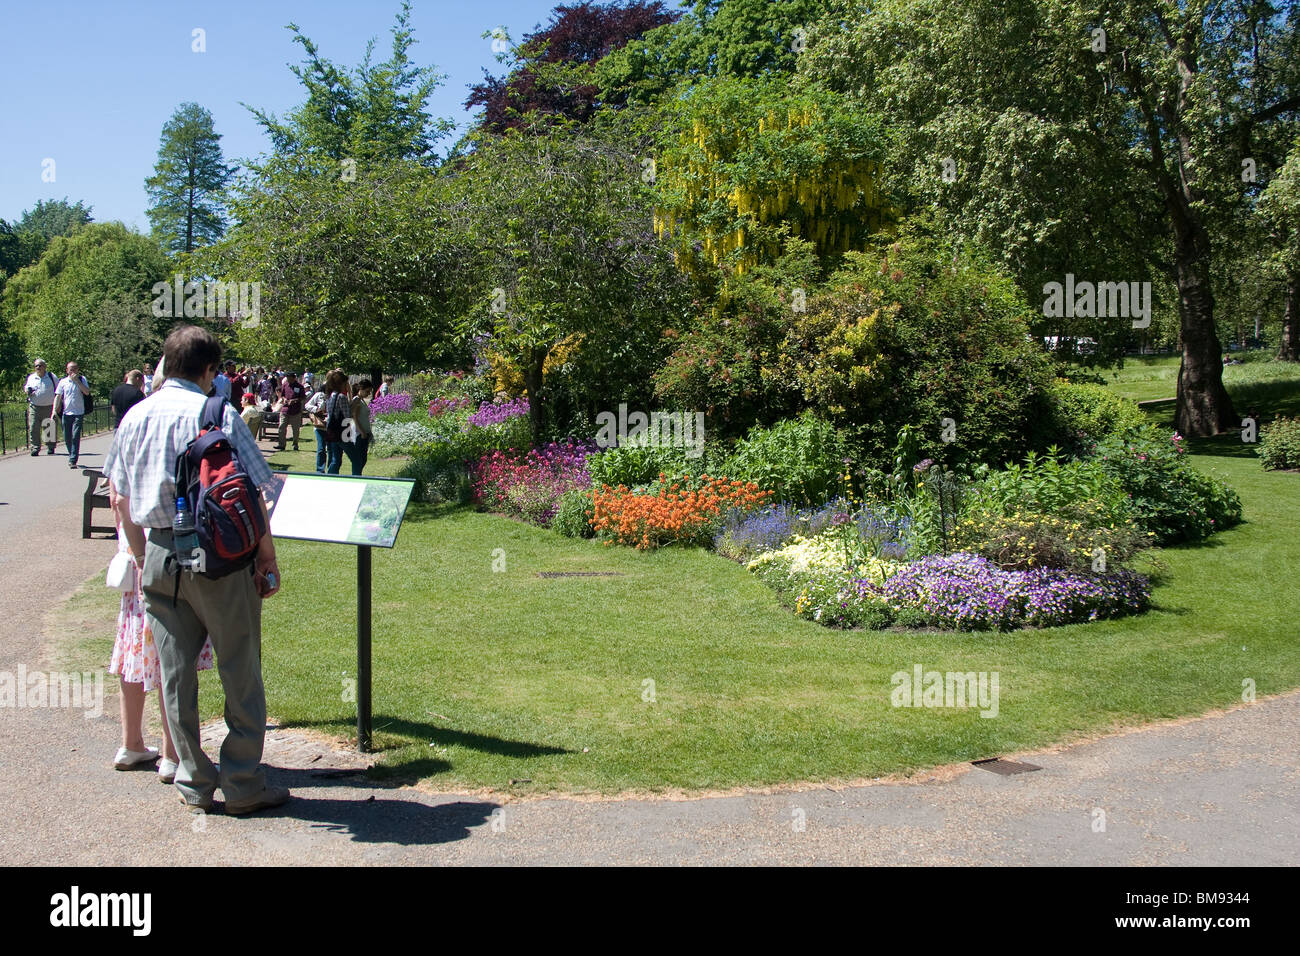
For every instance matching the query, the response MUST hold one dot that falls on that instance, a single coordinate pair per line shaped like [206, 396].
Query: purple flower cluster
[968, 592]
[743, 532]
[392, 404]
[490, 414]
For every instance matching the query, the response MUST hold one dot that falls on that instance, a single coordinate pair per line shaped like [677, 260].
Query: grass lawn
[484, 677]
[1267, 387]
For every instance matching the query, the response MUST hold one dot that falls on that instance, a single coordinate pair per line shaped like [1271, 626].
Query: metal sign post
[338, 509]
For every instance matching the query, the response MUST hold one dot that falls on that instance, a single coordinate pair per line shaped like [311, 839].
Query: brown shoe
[269, 797]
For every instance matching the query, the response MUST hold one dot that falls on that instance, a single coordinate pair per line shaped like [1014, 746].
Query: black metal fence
[15, 423]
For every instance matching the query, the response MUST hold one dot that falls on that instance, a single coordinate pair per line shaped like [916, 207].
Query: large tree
[342, 223]
[564, 255]
[1280, 208]
[88, 299]
[187, 188]
[715, 38]
[577, 34]
[1169, 96]
[375, 111]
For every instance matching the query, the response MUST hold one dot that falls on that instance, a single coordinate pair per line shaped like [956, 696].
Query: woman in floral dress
[135, 660]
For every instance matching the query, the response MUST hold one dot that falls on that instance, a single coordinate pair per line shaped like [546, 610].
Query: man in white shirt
[41, 386]
[147, 388]
[73, 389]
[185, 607]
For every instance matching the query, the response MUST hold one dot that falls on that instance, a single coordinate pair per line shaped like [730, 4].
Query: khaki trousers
[229, 610]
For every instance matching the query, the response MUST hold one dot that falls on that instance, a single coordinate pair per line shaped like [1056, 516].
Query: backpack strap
[213, 413]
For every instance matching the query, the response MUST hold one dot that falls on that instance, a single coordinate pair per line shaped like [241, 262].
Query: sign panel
[338, 509]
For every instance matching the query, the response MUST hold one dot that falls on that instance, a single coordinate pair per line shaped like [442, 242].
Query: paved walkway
[1219, 790]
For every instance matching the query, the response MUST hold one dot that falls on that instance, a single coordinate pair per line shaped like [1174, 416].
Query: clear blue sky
[92, 82]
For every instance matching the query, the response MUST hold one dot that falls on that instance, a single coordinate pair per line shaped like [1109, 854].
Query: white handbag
[121, 572]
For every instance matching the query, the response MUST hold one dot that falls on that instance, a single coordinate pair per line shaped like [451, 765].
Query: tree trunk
[1288, 349]
[1204, 407]
[536, 403]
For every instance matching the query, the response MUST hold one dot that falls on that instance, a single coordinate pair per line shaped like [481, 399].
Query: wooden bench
[95, 497]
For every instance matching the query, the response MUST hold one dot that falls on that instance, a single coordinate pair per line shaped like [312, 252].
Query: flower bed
[441, 406]
[967, 592]
[397, 403]
[530, 485]
[671, 511]
[494, 414]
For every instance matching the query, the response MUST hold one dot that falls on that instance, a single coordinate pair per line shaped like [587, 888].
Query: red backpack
[228, 516]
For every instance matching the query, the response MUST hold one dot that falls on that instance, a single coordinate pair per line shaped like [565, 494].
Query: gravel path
[1218, 790]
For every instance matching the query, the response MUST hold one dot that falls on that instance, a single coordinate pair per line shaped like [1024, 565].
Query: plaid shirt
[141, 462]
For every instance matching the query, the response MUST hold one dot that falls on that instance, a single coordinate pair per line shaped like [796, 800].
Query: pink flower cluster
[440, 406]
[531, 485]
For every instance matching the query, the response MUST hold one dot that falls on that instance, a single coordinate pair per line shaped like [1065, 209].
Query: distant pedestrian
[386, 386]
[292, 396]
[358, 450]
[237, 385]
[337, 411]
[315, 412]
[148, 379]
[127, 395]
[41, 388]
[221, 383]
[70, 402]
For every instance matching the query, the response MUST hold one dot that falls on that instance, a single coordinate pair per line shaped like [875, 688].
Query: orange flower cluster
[682, 511]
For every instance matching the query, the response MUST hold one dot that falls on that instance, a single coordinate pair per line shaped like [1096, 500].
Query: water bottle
[184, 538]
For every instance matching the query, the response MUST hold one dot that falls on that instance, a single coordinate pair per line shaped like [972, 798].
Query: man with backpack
[216, 589]
[41, 387]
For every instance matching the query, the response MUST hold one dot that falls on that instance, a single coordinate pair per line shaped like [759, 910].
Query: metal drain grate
[1004, 767]
[579, 574]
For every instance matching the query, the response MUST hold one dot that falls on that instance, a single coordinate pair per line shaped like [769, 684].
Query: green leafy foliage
[799, 460]
[1279, 444]
[1167, 496]
[917, 334]
[573, 516]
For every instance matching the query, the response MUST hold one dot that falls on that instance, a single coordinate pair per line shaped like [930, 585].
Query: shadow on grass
[441, 736]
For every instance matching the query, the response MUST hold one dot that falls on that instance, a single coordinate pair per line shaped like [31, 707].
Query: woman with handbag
[358, 449]
[315, 411]
[135, 661]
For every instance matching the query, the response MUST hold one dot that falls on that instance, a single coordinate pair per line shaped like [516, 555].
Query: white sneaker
[167, 770]
[126, 759]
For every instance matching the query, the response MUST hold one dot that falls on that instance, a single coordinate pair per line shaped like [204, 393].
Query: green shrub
[799, 460]
[1166, 495]
[916, 333]
[573, 516]
[1279, 444]
[1023, 539]
[634, 465]
[440, 465]
[1051, 485]
[1083, 414]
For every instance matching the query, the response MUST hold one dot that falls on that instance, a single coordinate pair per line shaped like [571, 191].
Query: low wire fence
[16, 423]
